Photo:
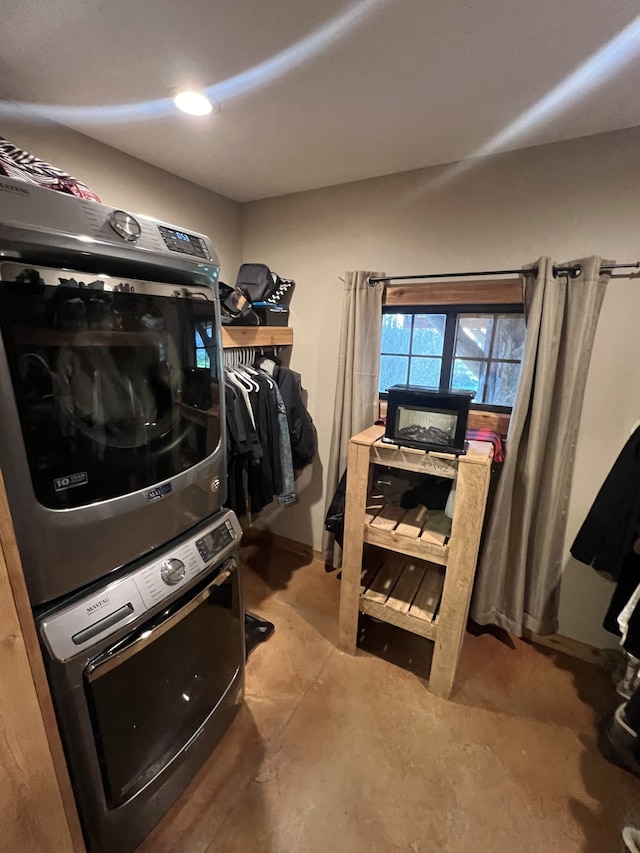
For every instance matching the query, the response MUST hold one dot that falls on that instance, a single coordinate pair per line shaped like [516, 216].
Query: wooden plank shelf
[424, 583]
[409, 459]
[256, 336]
[411, 547]
[404, 592]
[405, 531]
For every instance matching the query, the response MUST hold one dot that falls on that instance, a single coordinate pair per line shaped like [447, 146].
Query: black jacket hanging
[304, 439]
[605, 540]
[611, 526]
[334, 520]
[243, 450]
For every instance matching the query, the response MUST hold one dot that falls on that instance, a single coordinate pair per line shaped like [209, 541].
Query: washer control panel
[36, 209]
[209, 545]
[71, 629]
[185, 244]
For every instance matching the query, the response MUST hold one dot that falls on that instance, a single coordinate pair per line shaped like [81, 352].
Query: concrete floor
[339, 753]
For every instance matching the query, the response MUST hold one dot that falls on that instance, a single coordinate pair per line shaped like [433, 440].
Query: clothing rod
[573, 270]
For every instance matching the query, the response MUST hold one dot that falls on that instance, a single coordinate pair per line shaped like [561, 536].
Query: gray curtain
[518, 580]
[356, 401]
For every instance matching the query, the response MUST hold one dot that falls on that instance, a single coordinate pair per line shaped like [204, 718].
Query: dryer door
[151, 694]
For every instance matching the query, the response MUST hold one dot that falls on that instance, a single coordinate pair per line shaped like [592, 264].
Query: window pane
[509, 338]
[202, 359]
[396, 333]
[469, 376]
[502, 383]
[473, 336]
[428, 334]
[393, 371]
[425, 371]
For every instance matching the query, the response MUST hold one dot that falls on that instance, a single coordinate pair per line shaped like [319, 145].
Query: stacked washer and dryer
[112, 450]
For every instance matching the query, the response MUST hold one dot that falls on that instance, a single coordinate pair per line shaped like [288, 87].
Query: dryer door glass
[116, 381]
[150, 695]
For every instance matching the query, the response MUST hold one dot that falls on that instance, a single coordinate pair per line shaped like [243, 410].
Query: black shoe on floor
[617, 741]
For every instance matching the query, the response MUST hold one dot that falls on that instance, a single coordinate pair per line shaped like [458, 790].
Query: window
[412, 348]
[461, 347]
[487, 356]
[202, 356]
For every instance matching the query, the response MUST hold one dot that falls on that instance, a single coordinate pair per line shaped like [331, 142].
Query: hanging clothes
[243, 449]
[605, 540]
[611, 525]
[259, 449]
[263, 479]
[287, 494]
[628, 580]
[304, 438]
[629, 623]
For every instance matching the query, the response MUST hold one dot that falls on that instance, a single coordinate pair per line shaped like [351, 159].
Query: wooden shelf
[406, 531]
[413, 460]
[422, 579]
[420, 548]
[256, 336]
[404, 592]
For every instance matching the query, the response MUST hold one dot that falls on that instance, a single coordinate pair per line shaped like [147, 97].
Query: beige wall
[566, 200]
[125, 182]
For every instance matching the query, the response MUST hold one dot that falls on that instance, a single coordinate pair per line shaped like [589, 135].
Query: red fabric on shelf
[488, 435]
[19, 164]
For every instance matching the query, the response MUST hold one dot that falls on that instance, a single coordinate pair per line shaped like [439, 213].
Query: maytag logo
[8, 188]
[97, 605]
[158, 492]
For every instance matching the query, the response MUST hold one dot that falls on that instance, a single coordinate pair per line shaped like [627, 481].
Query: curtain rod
[573, 271]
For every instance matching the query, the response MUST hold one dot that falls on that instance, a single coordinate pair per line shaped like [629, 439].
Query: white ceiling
[393, 85]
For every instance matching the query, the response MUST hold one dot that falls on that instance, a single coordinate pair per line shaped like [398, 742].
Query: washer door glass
[116, 382]
[150, 694]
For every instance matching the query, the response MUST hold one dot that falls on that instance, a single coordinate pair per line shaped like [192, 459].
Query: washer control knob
[125, 225]
[172, 571]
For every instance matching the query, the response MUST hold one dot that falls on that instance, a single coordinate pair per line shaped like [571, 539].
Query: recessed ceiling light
[194, 103]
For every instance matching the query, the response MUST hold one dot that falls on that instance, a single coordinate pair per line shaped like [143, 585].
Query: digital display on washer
[180, 241]
[213, 542]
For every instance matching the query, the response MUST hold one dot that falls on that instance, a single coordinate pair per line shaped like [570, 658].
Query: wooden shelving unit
[420, 579]
[256, 336]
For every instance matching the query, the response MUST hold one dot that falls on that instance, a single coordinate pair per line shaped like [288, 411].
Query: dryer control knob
[172, 571]
[125, 225]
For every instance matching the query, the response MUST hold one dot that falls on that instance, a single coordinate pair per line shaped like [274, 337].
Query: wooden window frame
[472, 292]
